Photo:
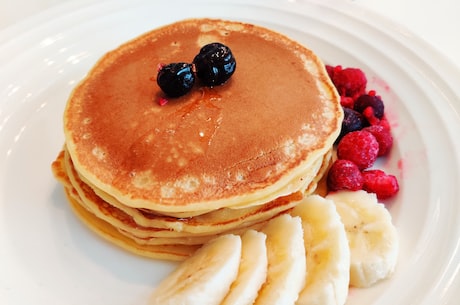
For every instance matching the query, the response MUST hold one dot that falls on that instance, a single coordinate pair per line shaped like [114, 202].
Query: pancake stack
[160, 180]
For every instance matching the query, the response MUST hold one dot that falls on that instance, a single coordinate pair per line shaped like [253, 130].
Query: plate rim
[416, 43]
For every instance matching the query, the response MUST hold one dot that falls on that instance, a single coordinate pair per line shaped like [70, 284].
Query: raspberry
[350, 82]
[347, 102]
[383, 136]
[360, 147]
[384, 123]
[344, 175]
[378, 182]
[330, 70]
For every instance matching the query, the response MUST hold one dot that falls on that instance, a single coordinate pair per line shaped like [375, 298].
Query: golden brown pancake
[176, 234]
[166, 237]
[144, 217]
[241, 144]
[161, 180]
[175, 252]
[150, 226]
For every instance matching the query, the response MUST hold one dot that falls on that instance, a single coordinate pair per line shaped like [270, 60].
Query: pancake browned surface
[183, 168]
[246, 141]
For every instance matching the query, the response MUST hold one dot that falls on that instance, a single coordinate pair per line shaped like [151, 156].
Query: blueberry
[214, 64]
[176, 79]
[373, 101]
[352, 121]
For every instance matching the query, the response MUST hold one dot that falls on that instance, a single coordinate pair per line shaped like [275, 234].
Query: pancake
[166, 252]
[144, 217]
[242, 144]
[160, 229]
[172, 252]
[160, 180]
[180, 237]
[119, 227]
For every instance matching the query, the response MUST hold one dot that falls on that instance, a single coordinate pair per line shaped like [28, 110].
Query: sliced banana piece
[372, 237]
[327, 251]
[205, 277]
[252, 272]
[286, 261]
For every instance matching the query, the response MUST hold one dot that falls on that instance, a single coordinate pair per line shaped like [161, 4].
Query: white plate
[48, 257]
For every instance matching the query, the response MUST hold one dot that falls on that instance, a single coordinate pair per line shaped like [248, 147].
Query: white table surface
[437, 22]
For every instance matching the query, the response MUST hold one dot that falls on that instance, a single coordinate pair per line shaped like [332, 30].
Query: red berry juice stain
[380, 83]
[401, 165]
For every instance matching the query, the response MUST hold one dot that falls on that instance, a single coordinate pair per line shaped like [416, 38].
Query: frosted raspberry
[350, 82]
[384, 123]
[330, 70]
[360, 147]
[383, 137]
[378, 182]
[344, 175]
[347, 102]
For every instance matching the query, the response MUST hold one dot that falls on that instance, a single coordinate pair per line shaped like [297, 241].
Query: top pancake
[246, 142]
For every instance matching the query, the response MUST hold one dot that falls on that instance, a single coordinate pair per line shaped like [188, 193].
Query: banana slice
[327, 251]
[252, 272]
[286, 261]
[205, 277]
[372, 237]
